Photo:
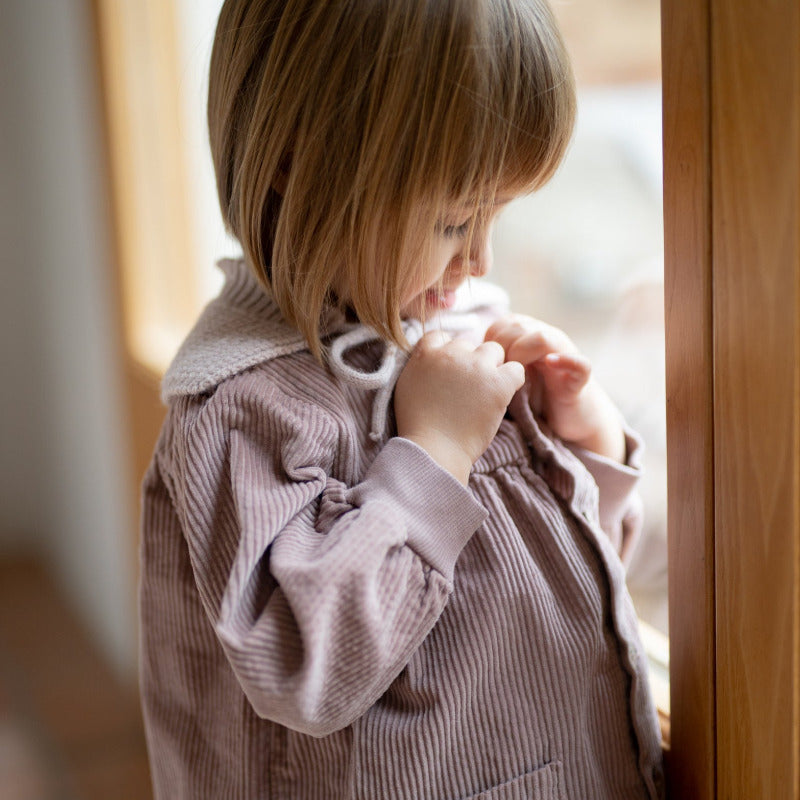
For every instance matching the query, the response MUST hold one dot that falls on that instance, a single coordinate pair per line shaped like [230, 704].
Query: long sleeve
[620, 506]
[318, 592]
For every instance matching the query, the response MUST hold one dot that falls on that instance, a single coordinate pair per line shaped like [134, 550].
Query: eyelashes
[481, 220]
[454, 231]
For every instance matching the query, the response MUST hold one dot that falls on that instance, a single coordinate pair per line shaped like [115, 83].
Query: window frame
[731, 98]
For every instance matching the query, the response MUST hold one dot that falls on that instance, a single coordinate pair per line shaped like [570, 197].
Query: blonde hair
[342, 130]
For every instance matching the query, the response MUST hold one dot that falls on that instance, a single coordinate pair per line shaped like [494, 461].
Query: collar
[243, 327]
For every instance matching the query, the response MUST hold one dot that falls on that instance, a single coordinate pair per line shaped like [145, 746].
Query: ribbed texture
[328, 617]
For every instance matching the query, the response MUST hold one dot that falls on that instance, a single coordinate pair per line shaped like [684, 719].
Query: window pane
[586, 252]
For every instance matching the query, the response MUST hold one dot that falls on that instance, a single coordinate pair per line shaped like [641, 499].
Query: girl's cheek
[456, 266]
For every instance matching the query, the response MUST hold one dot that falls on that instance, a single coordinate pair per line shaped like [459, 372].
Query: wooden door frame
[731, 90]
[691, 766]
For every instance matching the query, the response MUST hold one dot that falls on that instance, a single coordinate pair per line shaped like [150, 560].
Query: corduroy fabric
[329, 616]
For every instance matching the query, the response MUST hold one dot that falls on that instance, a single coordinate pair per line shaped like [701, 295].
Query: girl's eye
[455, 231]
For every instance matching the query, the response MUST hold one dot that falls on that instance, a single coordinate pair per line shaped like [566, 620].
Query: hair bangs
[510, 106]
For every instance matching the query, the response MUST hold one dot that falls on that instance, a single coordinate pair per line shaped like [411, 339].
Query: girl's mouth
[440, 299]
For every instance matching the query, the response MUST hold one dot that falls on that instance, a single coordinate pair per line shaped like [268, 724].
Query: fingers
[565, 372]
[433, 339]
[513, 373]
[530, 347]
[490, 353]
[493, 352]
[528, 340]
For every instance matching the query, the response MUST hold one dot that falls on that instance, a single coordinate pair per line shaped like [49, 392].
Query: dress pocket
[544, 783]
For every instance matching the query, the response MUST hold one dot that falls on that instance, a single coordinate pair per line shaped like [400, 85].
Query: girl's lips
[441, 300]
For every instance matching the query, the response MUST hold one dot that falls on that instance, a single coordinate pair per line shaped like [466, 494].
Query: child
[376, 562]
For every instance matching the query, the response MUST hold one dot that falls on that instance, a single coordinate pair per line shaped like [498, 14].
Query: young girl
[383, 523]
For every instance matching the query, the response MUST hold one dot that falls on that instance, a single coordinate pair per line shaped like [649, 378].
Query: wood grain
[756, 210]
[687, 294]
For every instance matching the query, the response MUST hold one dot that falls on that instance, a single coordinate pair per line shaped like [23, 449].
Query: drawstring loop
[394, 358]
[383, 378]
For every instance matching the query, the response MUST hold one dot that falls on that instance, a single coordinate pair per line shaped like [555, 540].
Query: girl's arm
[581, 414]
[319, 593]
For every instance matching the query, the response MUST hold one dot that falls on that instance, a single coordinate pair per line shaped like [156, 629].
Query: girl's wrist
[446, 453]
[608, 441]
[603, 433]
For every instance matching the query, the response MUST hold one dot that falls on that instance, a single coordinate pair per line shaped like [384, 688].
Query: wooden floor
[68, 729]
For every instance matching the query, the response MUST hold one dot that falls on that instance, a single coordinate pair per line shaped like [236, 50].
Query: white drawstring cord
[391, 365]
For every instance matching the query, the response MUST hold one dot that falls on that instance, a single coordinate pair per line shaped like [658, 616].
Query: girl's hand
[451, 397]
[562, 389]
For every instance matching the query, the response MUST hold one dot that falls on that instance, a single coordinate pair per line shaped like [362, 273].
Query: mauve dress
[326, 613]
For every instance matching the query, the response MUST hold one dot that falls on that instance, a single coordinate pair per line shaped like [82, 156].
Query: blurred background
[109, 231]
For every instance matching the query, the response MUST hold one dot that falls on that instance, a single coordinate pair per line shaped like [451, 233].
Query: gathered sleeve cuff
[441, 515]
[620, 506]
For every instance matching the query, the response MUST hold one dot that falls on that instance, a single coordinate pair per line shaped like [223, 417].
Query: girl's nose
[481, 257]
